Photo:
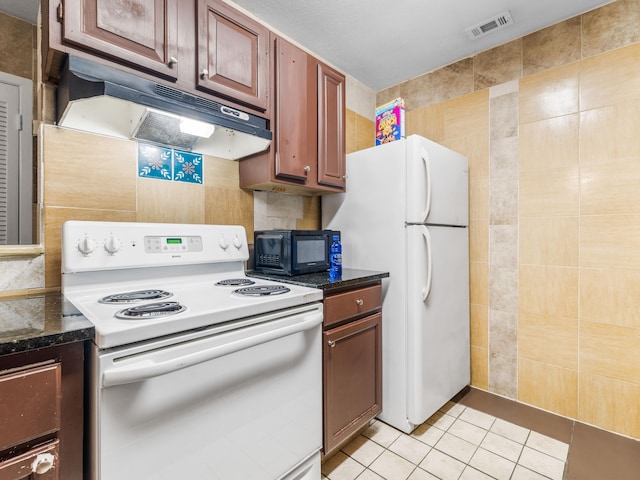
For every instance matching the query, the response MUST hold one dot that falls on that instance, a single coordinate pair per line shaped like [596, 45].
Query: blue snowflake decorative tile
[154, 161]
[187, 167]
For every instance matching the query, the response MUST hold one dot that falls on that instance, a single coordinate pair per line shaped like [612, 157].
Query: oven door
[224, 403]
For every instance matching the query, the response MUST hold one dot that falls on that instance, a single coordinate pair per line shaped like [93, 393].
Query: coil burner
[262, 290]
[151, 311]
[135, 297]
[235, 282]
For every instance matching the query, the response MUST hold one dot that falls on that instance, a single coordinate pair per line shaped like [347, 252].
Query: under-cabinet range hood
[99, 99]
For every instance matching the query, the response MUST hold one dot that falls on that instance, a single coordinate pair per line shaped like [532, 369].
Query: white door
[438, 318]
[15, 160]
[437, 184]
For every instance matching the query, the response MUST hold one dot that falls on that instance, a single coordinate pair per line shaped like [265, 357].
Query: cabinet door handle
[307, 169]
[204, 74]
[173, 61]
[42, 463]
[359, 302]
[332, 343]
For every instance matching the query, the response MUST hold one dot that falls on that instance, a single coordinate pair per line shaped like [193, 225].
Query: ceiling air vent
[490, 25]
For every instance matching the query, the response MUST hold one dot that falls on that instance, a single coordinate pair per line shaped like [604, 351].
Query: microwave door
[272, 253]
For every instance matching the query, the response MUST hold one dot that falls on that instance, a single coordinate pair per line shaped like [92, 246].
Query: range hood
[99, 99]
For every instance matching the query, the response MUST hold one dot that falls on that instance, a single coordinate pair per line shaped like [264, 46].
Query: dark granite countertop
[32, 322]
[350, 278]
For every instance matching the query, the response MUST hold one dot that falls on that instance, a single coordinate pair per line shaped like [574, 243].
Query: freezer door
[437, 184]
[438, 318]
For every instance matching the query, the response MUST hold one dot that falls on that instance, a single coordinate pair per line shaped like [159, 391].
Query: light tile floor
[456, 443]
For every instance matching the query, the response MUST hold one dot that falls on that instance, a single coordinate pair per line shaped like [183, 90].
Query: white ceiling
[382, 43]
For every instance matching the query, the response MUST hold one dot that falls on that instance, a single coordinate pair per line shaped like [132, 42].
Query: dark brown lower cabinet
[41, 414]
[352, 369]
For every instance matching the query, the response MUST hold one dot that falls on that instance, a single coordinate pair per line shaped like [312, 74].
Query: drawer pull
[42, 463]
[359, 302]
[332, 343]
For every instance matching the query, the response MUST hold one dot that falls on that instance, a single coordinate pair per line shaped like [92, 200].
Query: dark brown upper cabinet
[295, 157]
[307, 155]
[233, 54]
[331, 115]
[136, 32]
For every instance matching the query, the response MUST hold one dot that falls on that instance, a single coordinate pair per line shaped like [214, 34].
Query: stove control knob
[112, 245]
[237, 242]
[86, 246]
[223, 242]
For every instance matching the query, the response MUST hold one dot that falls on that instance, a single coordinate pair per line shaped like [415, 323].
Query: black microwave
[292, 252]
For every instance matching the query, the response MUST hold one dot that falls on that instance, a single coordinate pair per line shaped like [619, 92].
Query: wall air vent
[490, 25]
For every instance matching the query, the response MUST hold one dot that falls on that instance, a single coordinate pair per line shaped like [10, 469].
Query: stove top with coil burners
[138, 281]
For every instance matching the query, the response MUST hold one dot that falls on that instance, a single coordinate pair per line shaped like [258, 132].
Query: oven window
[311, 251]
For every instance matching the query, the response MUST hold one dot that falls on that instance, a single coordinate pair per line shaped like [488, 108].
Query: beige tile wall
[571, 345]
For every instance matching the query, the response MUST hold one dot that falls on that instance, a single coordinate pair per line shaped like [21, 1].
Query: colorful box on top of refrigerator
[390, 122]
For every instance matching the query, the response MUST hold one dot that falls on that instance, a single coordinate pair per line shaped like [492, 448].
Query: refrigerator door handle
[427, 288]
[425, 158]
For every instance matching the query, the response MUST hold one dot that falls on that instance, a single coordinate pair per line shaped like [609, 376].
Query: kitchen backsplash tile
[610, 404]
[479, 325]
[88, 171]
[552, 47]
[610, 133]
[20, 273]
[170, 202]
[549, 192]
[535, 343]
[498, 65]
[169, 164]
[610, 27]
[611, 78]
[155, 162]
[478, 240]
[467, 115]
[610, 296]
[549, 241]
[503, 289]
[187, 167]
[548, 386]
[622, 345]
[548, 290]
[503, 333]
[550, 94]
[503, 375]
[610, 241]
[480, 367]
[550, 143]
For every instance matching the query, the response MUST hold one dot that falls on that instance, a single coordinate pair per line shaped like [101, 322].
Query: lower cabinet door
[40, 463]
[352, 378]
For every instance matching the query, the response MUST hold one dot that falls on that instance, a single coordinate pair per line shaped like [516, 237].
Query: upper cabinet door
[294, 145]
[233, 54]
[331, 108]
[142, 33]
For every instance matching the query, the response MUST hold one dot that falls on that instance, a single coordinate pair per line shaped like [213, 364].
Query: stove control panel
[172, 244]
[88, 246]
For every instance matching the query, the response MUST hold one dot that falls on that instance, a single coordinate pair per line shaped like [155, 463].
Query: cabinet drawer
[352, 304]
[29, 404]
[41, 461]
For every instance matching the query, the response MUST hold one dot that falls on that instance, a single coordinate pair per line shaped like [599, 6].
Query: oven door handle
[147, 369]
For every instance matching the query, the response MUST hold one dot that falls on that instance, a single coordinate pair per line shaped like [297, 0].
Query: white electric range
[192, 360]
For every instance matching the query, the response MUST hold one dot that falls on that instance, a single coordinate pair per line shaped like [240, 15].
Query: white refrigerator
[406, 212]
